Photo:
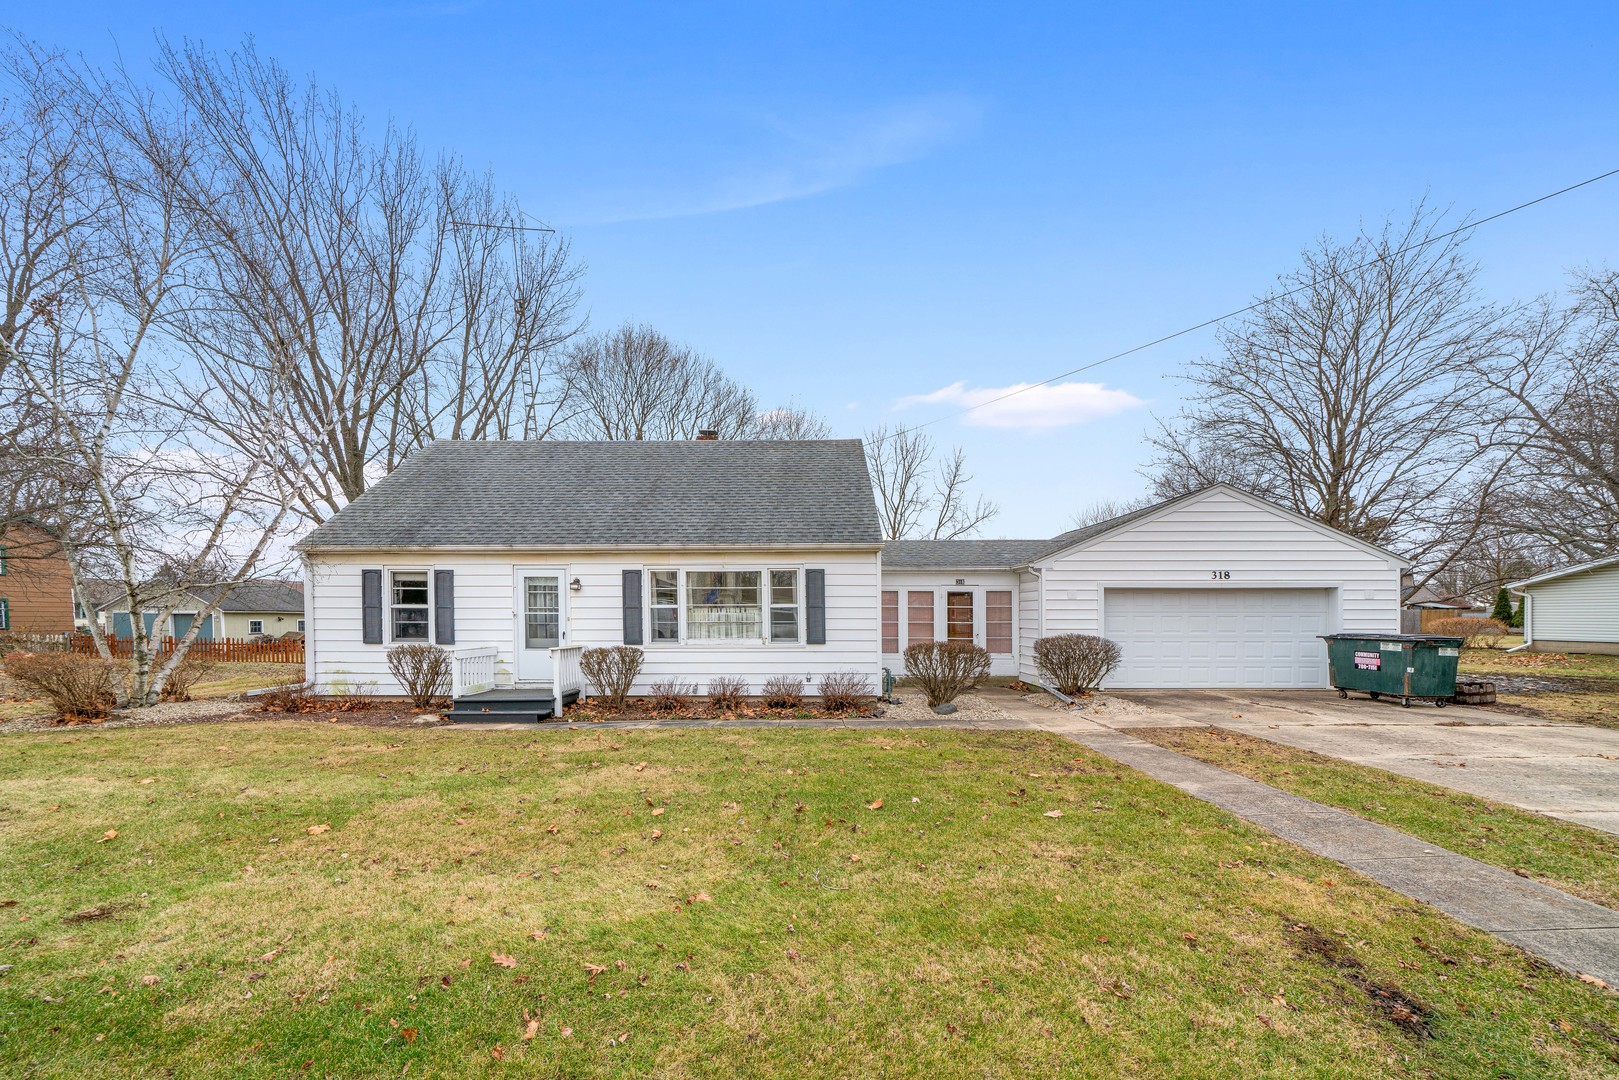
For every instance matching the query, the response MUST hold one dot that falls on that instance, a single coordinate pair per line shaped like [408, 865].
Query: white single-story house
[743, 559]
[1575, 609]
[762, 559]
[251, 610]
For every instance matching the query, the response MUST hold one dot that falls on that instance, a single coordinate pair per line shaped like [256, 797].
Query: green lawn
[1593, 697]
[710, 903]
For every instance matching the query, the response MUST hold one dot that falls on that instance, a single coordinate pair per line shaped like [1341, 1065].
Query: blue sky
[884, 211]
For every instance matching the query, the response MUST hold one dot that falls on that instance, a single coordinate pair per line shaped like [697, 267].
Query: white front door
[542, 622]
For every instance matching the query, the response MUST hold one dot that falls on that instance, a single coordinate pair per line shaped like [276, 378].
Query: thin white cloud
[798, 160]
[1025, 405]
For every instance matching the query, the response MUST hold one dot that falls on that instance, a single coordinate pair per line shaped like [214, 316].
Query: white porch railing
[565, 674]
[472, 669]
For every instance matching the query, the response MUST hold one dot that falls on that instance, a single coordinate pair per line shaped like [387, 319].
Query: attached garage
[1217, 588]
[1240, 638]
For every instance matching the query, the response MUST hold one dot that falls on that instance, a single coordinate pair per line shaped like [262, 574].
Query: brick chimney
[708, 435]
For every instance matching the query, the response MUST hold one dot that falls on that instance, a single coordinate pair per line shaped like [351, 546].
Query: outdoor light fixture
[575, 585]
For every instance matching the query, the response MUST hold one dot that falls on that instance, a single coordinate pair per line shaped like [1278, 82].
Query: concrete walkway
[1573, 934]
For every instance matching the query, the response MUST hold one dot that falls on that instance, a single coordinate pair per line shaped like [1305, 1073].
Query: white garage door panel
[1243, 638]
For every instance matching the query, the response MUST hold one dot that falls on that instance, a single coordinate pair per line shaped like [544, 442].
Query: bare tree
[141, 497]
[1555, 384]
[1346, 396]
[635, 383]
[921, 494]
[375, 300]
[789, 422]
[1106, 510]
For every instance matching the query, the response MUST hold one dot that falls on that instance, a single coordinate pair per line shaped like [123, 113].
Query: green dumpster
[1411, 667]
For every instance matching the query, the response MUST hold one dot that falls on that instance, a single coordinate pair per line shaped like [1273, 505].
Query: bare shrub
[422, 671]
[191, 670]
[612, 671]
[943, 669]
[1475, 633]
[843, 691]
[1073, 663]
[725, 692]
[79, 687]
[672, 695]
[783, 692]
[289, 699]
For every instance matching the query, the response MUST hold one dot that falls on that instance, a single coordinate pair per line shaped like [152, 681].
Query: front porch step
[516, 703]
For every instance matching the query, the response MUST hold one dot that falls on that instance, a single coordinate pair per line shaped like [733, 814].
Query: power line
[1206, 323]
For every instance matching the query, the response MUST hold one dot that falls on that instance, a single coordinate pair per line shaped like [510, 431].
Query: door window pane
[542, 611]
[918, 617]
[723, 605]
[890, 620]
[409, 606]
[958, 616]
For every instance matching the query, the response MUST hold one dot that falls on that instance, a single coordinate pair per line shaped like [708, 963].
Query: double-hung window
[255, 626]
[665, 605]
[408, 607]
[723, 605]
[784, 605]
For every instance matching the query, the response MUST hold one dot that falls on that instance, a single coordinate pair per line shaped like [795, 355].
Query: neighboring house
[253, 609]
[1575, 609]
[748, 559]
[36, 586]
[759, 559]
[1217, 588]
[1422, 607]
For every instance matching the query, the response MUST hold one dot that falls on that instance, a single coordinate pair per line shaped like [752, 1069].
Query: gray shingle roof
[256, 596]
[960, 554]
[565, 494]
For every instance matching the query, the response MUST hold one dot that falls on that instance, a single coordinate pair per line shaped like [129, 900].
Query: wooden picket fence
[217, 650]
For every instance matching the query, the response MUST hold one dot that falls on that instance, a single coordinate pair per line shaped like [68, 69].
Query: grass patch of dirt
[1563, 854]
[311, 900]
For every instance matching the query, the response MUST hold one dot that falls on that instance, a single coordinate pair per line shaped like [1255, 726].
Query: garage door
[1244, 638]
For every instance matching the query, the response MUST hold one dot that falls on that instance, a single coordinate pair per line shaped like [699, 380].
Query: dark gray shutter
[632, 608]
[371, 607]
[815, 607]
[444, 607]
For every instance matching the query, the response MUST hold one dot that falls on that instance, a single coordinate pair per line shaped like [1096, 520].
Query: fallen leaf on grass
[408, 1034]
[503, 960]
[271, 955]
[657, 834]
[150, 780]
[151, 980]
[498, 1053]
[657, 811]
[316, 830]
[553, 829]
[566, 1032]
[531, 1029]
[110, 834]
[1594, 981]
[539, 935]
[1052, 813]
[701, 898]
[878, 805]
[854, 858]
[593, 970]
[640, 767]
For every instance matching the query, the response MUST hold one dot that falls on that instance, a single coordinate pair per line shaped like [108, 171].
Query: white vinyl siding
[1578, 608]
[485, 614]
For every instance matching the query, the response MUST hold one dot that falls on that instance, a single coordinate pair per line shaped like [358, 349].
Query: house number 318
[1221, 575]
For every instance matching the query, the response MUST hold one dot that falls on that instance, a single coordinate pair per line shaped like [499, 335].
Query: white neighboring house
[749, 559]
[1575, 609]
[1217, 588]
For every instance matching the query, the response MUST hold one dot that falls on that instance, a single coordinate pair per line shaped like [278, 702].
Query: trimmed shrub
[422, 671]
[842, 691]
[943, 669]
[725, 692]
[672, 695]
[1074, 663]
[612, 671]
[190, 671]
[783, 692]
[79, 687]
[1475, 633]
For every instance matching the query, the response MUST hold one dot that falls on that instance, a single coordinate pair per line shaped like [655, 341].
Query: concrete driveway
[1568, 771]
